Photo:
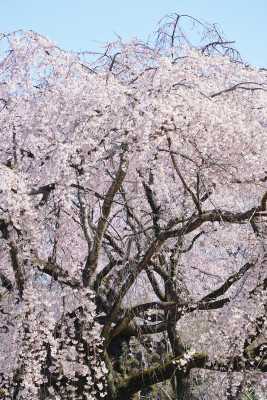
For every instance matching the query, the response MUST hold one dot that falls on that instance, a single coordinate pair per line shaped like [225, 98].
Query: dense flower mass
[132, 212]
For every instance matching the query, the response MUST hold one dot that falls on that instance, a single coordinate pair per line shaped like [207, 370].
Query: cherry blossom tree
[132, 212]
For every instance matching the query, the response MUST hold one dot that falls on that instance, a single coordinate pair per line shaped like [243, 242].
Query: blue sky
[76, 24]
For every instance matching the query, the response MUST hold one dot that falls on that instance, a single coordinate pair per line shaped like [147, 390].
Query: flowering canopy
[132, 204]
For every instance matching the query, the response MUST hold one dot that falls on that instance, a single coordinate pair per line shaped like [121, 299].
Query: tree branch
[85, 217]
[6, 283]
[127, 284]
[192, 243]
[92, 260]
[105, 271]
[182, 365]
[240, 86]
[193, 223]
[45, 191]
[228, 283]
[154, 207]
[154, 283]
[57, 273]
[18, 272]
[181, 308]
[195, 200]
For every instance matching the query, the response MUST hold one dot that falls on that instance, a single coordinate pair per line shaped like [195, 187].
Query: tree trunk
[180, 385]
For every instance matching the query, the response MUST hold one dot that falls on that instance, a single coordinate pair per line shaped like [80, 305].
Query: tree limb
[92, 260]
[181, 366]
[228, 283]
[192, 224]
[57, 273]
[17, 268]
[195, 200]
[154, 283]
[240, 86]
[6, 283]
[154, 207]
[181, 308]
[85, 217]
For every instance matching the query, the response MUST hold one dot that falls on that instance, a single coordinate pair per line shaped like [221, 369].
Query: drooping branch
[217, 43]
[14, 254]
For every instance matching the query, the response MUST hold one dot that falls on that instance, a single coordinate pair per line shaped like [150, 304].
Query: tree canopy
[132, 218]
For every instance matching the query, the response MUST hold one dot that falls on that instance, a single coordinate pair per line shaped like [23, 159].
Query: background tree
[132, 218]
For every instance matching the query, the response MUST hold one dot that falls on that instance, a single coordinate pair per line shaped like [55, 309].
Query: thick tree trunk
[180, 385]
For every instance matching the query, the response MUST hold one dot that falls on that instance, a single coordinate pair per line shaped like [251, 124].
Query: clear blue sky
[74, 24]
